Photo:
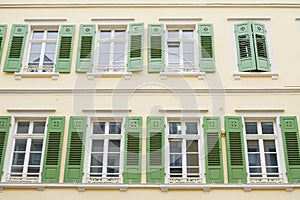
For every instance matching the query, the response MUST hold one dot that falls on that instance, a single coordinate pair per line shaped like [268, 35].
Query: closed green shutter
[65, 47]
[85, 52]
[260, 41]
[4, 131]
[14, 56]
[156, 58]
[155, 150]
[136, 41]
[206, 45]
[213, 150]
[75, 150]
[52, 158]
[291, 143]
[3, 29]
[245, 47]
[132, 157]
[235, 150]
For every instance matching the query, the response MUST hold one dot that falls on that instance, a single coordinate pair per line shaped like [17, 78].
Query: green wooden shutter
[16, 45]
[261, 52]
[136, 41]
[245, 47]
[4, 131]
[85, 52]
[52, 158]
[156, 58]
[75, 151]
[235, 150]
[206, 45]
[3, 29]
[132, 157]
[65, 47]
[213, 150]
[291, 143]
[155, 149]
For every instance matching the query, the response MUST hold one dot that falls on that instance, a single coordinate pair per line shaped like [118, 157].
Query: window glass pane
[98, 127]
[175, 160]
[36, 145]
[50, 47]
[20, 144]
[272, 170]
[173, 54]
[97, 145]
[119, 47]
[114, 146]
[253, 146]
[18, 159]
[37, 35]
[22, 127]
[35, 47]
[49, 59]
[188, 47]
[120, 33]
[188, 34]
[35, 158]
[104, 47]
[267, 127]
[192, 145]
[176, 172]
[33, 171]
[17, 169]
[114, 127]
[52, 35]
[269, 146]
[192, 160]
[97, 159]
[174, 127]
[255, 171]
[254, 160]
[112, 170]
[271, 159]
[104, 34]
[173, 33]
[175, 146]
[113, 159]
[34, 59]
[191, 127]
[251, 127]
[39, 127]
[95, 170]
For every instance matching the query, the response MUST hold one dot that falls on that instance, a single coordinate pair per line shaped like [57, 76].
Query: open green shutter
[245, 47]
[260, 41]
[156, 58]
[52, 158]
[136, 41]
[206, 45]
[3, 29]
[16, 45]
[85, 52]
[65, 47]
[291, 143]
[235, 150]
[75, 151]
[4, 131]
[155, 149]
[213, 150]
[132, 157]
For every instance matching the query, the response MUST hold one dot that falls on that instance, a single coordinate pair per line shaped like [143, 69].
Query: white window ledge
[117, 19]
[193, 19]
[259, 109]
[45, 19]
[183, 110]
[126, 75]
[165, 75]
[20, 75]
[25, 110]
[248, 18]
[105, 110]
[238, 75]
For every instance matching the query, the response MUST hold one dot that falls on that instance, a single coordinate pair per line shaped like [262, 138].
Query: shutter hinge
[164, 126]
[280, 125]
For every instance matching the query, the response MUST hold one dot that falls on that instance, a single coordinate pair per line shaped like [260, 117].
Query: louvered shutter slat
[156, 59]
[136, 41]
[206, 45]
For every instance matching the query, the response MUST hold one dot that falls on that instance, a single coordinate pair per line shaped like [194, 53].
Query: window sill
[238, 75]
[165, 75]
[20, 75]
[126, 75]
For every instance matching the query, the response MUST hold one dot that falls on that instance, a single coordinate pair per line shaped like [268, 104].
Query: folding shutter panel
[235, 150]
[2, 37]
[16, 45]
[245, 47]
[132, 157]
[75, 151]
[52, 158]
[156, 59]
[4, 131]
[136, 41]
[65, 47]
[213, 150]
[206, 45]
[260, 40]
[155, 149]
[85, 52]
[291, 143]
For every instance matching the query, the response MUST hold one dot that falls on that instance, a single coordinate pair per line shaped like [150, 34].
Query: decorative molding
[104, 110]
[125, 75]
[196, 19]
[117, 19]
[238, 75]
[168, 110]
[248, 18]
[26, 110]
[20, 75]
[297, 18]
[165, 75]
[259, 109]
[45, 19]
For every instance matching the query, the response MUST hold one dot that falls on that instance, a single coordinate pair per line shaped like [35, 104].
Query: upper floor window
[252, 48]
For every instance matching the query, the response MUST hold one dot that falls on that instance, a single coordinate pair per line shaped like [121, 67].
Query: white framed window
[263, 151]
[112, 42]
[42, 49]
[181, 49]
[27, 153]
[184, 151]
[105, 142]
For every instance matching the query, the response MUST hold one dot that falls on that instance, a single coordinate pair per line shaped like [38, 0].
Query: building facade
[167, 100]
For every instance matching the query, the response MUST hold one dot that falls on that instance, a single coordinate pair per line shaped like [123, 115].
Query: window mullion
[111, 48]
[184, 158]
[26, 159]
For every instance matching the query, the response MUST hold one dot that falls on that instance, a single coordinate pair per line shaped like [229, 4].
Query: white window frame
[184, 137]
[236, 73]
[11, 144]
[90, 137]
[260, 137]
